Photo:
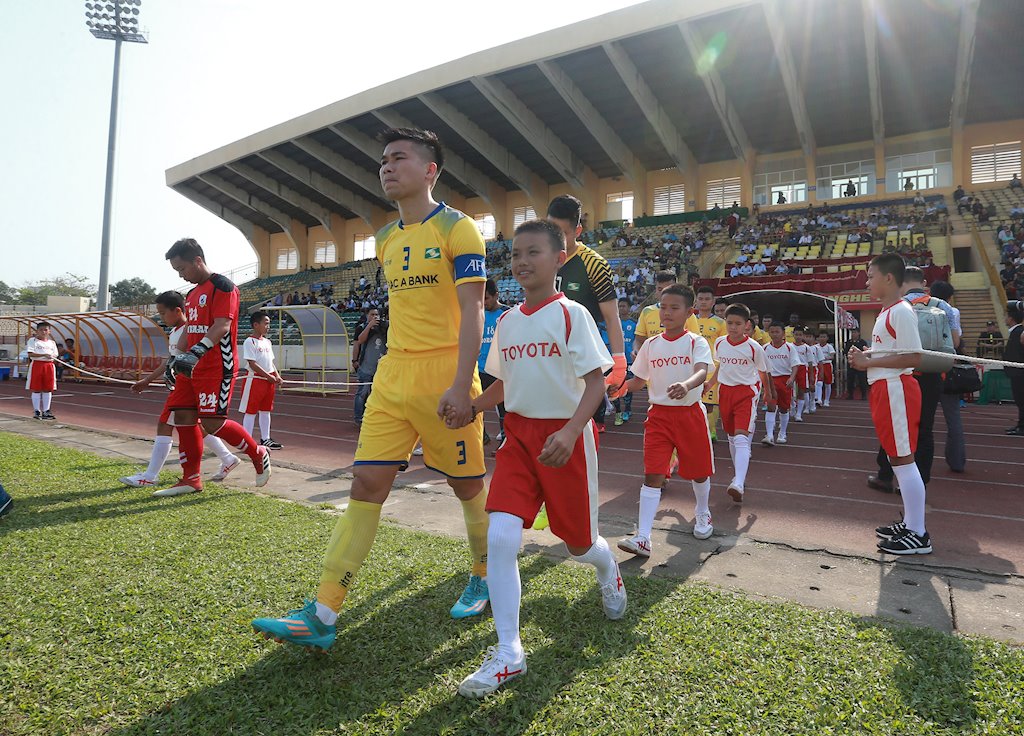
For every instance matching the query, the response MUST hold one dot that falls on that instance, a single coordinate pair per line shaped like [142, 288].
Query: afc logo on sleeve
[470, 265]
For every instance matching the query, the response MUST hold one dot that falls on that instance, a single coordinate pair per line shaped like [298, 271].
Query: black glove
[187, 361]
[169, 375]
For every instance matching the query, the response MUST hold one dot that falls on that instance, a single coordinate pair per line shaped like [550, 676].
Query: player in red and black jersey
[204, 372]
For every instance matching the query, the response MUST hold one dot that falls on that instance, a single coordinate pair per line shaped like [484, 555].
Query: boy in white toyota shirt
[784, 365]
[674, 365]
[826, 375]
[42, 378]
[549, 362]
[896, 401]
[261, 381]
[742, 375]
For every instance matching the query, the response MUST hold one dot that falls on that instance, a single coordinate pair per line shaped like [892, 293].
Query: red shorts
[683, 429]
[42, 377]
[812, 376]
[801, 377]
[896, 414]
[739, 408]
[257, 394]
[521, 484]
[826, 374]
[783, 393]
[209, 395]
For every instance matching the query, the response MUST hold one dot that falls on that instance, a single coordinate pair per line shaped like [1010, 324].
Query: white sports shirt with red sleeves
[895, 329]
[738, 365]
[662, 361]
[782, 361]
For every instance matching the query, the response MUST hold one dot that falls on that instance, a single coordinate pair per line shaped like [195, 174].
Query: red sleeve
[225, 304]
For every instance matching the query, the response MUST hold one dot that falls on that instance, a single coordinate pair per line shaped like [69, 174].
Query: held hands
[139, 386]
[859, 359]
[558, 448]
[456, 408]
[617, 378]
[278, 380]
[677, 391]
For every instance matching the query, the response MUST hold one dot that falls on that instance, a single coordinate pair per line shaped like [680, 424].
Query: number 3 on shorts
[461, 446]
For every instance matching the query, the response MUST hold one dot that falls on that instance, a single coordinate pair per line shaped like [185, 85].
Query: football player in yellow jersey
[794, 323]
[433, 260]
[648, 324]
[760, 336]
[709, 326]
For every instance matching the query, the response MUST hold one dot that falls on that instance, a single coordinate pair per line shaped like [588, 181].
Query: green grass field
[124, 614]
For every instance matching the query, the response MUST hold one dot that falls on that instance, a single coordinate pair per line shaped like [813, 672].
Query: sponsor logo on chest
[531, 350]
[733, 361]
[675, 360]
[432, 254]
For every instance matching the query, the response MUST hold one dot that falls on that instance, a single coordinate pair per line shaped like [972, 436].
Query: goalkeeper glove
[186, 362]
[617, 376]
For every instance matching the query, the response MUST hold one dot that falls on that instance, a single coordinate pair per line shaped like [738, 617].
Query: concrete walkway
[967, 601]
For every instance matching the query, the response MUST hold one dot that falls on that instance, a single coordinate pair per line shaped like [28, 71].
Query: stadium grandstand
[861, 117]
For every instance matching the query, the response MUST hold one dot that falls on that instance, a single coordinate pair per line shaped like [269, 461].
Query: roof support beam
[727, 115]
[318, 211]
[372, 148]
[282, 219]
[345, 168]
[869, 12]
[613, 146]
[656, 115]
[964, 62]
[532, 128]
[773, 12]
[317, 181]
[496, 154]
[246, 227]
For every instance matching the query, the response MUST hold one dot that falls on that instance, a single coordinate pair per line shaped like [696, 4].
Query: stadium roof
[621, 93]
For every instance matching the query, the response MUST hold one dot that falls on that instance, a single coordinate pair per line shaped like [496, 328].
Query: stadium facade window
[833, 178]
[325, 252]
[925, 169]
[287, 259]
[365, 247]
[792, 184]
[995, 162]
[619, 206]
[722, 192]
[669, 200]
[522, 214]
[486, 224]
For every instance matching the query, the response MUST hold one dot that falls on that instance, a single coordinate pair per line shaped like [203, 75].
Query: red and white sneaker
[262, 467]
[180, 488]
[139, 480]
[613, 597]
[496, 670]
[225, 468]
[702, 528]
[636, 545]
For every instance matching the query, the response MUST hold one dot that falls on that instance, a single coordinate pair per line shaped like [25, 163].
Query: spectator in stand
[768, 252]
[989, 341]
[734, 272]
[806, 239]
[759, 268]
[781, 199]
[854, 378]
[1014, 352]
[908, 185]
[919, 200]
[956, 447]
[746, 270]
[959, 193]
[1015, 182]
[782, 268]
[851, 189]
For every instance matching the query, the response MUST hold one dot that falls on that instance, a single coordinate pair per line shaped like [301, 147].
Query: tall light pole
[116, 20]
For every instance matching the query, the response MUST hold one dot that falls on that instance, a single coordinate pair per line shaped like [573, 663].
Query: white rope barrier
[948, 356]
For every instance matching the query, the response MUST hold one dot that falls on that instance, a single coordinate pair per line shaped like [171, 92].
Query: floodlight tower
[116, 20]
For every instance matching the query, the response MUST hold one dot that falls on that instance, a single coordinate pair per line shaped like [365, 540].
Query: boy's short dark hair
[942, 290]
[823, 332]
[186, 249]
[740, 310]
[427, 139]
[624, 301]
[721, 300]
[799, 329]
[706, 290]
[490, 288]
[41, 325]
[566, 207]
[544, 227]
[171, 300]
[890, 264]
[665, 277]
[681, 290]
[257, 316]
[777, 326]
[914, 274]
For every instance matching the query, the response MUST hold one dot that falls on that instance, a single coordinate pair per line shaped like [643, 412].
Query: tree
[129, 292]
[8, 295]
[67, 285]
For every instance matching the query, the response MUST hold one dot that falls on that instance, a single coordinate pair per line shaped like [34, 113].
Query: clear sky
[214, 71]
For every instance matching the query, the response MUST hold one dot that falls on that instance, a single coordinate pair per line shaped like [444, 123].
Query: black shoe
[893, 530]
[271, 444]
[880, 485]
[907, 543]
[37, 415]
[1016, 431]
[48, 416]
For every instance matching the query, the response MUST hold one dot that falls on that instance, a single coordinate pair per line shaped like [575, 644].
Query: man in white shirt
[42, 378]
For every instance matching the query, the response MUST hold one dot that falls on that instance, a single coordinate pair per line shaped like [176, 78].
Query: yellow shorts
[711, 396]
[402, 409]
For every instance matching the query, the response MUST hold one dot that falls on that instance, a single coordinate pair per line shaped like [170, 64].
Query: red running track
[810, 494]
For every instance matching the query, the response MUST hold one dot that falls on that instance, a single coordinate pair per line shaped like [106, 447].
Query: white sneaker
[781, 440]
[496, 670]
[613, 597]
[418, 450]
[702, 528]
[636, 545]
[180, 489]
[225, 468]
[139, 480]
[735, 492]
[797, 419]
[768, 441]
[262, 478]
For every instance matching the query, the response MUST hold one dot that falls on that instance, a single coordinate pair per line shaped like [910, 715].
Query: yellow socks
[351, 540]
[475, 514]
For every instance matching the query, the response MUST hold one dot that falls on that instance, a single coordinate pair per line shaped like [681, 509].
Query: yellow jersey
[648, 324]
[789, 334]
[423, 263]
[760, 336]
[710, 328]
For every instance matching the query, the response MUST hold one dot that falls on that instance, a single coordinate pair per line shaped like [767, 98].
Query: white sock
[785, 423]
[161, 449]
[913, 491]
[326, 614]
[504, 538]
[264, 425]
[649, 499]
[769, 422]
[732, 449]
[817, 390]
[46, 396]
[217, 446]
[702, 491]
[248, 422]
[35, 402]
[809, 399]
[600, 556]
[742, 459]
[798, 407]
[828, 392]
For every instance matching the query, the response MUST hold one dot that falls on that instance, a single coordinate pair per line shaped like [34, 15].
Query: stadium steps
[976, 309]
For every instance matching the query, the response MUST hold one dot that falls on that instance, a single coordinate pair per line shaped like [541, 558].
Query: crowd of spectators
[363, 295]
[1010, 239]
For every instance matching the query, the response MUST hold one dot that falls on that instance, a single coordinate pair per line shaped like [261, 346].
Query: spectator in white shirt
[760, 269]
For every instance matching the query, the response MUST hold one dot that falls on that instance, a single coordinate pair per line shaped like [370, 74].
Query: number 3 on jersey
[461, 446]
[405, 258]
